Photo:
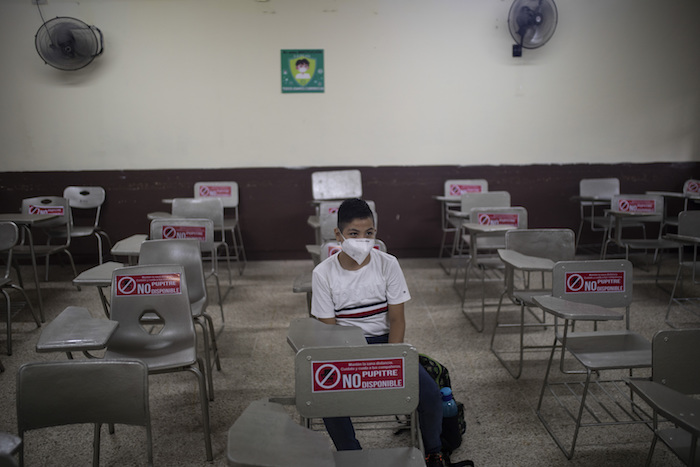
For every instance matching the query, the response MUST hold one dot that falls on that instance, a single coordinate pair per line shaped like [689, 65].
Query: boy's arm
[397, 323]
[327, 320]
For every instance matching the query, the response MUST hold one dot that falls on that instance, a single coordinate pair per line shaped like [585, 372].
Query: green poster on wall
[302, 71]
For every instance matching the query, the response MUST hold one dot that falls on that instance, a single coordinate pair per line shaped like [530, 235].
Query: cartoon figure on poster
[302, 71]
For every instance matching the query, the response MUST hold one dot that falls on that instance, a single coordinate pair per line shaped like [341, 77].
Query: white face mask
[357, 248]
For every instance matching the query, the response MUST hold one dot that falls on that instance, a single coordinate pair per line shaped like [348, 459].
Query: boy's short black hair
[351, 209]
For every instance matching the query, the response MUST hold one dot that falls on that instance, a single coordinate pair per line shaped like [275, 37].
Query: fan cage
[536, 36]
[68, 43]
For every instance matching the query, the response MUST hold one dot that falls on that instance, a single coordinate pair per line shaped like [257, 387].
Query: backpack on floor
[454, 428]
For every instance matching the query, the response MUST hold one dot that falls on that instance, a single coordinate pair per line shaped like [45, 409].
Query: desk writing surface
[75, 330]
[28, 219]
[524, 262]
[130, 246]
[683, 239]
[566, 309]
[310, 332]
[100, 276]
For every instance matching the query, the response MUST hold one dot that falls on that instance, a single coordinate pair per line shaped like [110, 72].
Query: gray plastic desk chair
[207, 208]
[485, 233]
[83, 391]
[187, 254]
[48, 205]
[674, 379]
[88, 198]
[227, 192]
[172, 347]
[451, 202]
[595, 195]
[199, 229]
[9, 236]
[642, 209]
[528, 251]
[457, 219]
[328, 384]
[688, 235]
[590, 291]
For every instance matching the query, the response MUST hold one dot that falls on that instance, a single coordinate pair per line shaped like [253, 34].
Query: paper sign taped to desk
[184, 231]
[498, 219]
[353, 375]
[595, 282]
[57, 210]
[636, 205]
[215, 191]
[459, 189]
[148, 284]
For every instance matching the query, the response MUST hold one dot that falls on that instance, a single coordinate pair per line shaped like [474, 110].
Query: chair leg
[96, 446]
[205, 406]
[206, 339]
[9, 321]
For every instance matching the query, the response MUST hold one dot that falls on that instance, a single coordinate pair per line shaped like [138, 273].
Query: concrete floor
[257, 362]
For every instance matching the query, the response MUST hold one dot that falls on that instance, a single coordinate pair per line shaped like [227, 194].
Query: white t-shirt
[359, 298]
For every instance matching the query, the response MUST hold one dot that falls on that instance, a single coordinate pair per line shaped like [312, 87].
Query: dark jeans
[429, 409]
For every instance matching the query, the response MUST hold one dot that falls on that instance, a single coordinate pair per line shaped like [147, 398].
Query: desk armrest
[685, 239]
[669, 403]
[566, 309]
[524, 262]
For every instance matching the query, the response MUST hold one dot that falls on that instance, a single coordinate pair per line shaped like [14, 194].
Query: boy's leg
[342, 433]
[429, 411]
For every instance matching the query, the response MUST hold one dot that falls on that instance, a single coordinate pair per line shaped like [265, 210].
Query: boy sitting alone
[364, 287]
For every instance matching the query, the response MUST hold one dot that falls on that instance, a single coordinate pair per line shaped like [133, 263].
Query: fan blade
[525, 21]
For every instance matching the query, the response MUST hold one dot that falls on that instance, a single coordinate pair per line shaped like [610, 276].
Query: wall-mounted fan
[68, 43]
[531, 23]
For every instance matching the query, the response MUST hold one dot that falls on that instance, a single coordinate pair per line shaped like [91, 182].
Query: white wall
[196, 84]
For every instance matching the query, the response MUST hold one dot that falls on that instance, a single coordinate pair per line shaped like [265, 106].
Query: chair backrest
[9, 234]
[487, 199]
[554, 244]
[82, 391]
[603, 188]
[86, 197]
[328, 218]
[146, 290]
[49, 205]
[689, 223]
[460, 187]
[642, 203]
[691, 187]
[331, 248]
[200, 208]
[336, 184]
[674, 359]
[606, 283]
[186, 253]
[513, 215]
[226, 191]
[367, 380]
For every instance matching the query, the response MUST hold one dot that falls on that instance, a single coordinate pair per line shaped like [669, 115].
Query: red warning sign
[57, 210]
[636, 205]
[693, 187]
[458, 189]
[215, 191]
[596, 282]
[184, 231]
[353, 375]
[498, 219]
[148, 284]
